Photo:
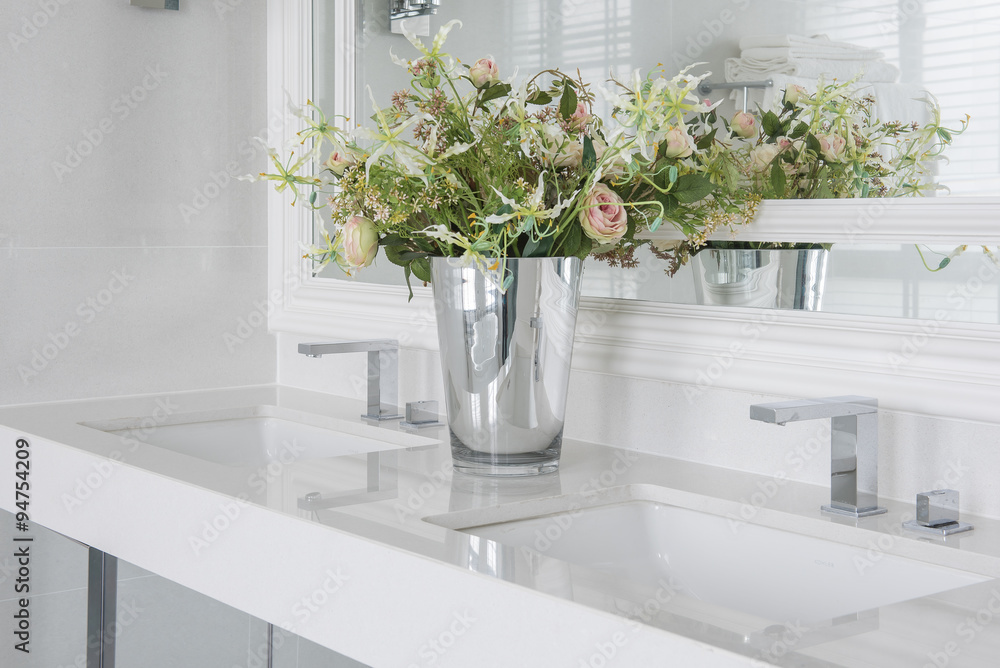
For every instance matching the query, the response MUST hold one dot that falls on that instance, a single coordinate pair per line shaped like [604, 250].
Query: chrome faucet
[383, 372]
[853, 447]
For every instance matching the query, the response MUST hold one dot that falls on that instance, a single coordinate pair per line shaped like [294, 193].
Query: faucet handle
[420, 414]
[937, 507]
[938, 513]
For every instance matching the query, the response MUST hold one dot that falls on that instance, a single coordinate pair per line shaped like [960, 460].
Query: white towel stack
[792, 59]
[808, 57]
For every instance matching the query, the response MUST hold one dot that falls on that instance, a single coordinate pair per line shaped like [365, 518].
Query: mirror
[950, 48]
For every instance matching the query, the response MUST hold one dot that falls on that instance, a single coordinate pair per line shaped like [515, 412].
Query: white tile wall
[123, 128]
[127, 254]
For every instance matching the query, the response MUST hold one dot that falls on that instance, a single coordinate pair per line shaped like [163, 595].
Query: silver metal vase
[505, 355]
[783, 279]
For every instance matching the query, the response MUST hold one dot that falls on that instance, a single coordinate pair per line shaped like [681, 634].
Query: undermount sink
[257, 435]
[710, 561]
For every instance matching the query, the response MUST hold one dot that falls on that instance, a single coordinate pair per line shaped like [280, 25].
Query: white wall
[127, 251]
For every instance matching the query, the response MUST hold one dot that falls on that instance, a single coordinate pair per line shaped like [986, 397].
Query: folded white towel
[746, 69]
[821, 42]
[772, 53]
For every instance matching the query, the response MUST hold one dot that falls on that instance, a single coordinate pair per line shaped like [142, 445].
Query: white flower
[762, 156]
[532, 208]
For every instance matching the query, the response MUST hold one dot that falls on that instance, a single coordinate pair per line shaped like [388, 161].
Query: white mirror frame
[930, 367]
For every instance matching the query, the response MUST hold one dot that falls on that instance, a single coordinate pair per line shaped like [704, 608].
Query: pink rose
[678, 144]
[338, 162]
[744, 125]
[360, 241]
[580, 118]
[484, 71]
[833, 147]
[603, 218]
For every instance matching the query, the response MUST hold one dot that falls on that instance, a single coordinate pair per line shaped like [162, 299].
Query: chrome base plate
[420, 425]
[943, 530]
[380, 418]
[851, 513]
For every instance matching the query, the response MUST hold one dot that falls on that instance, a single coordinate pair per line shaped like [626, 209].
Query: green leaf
[824, 191]
[812, 144]
[660, 170]
[406, 274]
[539, 97]
[630, 225]
[394, 254]
[407, 256]
[422, 268]
[541, 248]
[567, 103]
[586, 245]
[669, 202]
[392, 239]
[771, 124]
[799, 130]
[589, 155]
[691, 188]
[571, 240]
[777, 178]
[705, 142]
[493, 92]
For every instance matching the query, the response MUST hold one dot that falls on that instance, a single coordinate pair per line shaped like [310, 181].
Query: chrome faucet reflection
[853, 447]
[383, 372]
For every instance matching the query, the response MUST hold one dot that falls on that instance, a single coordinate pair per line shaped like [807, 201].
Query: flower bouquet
[467, 165]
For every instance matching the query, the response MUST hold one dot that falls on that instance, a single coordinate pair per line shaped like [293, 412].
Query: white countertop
[377, 582]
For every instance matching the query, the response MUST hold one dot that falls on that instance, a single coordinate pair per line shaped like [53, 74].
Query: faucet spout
[383, 371]
[780, 412]
[853, 447]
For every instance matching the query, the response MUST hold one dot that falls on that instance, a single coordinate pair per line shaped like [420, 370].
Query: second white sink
[765, 572]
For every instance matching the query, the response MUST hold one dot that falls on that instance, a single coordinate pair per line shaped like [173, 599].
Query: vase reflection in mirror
[505, 356]
[784, 279]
